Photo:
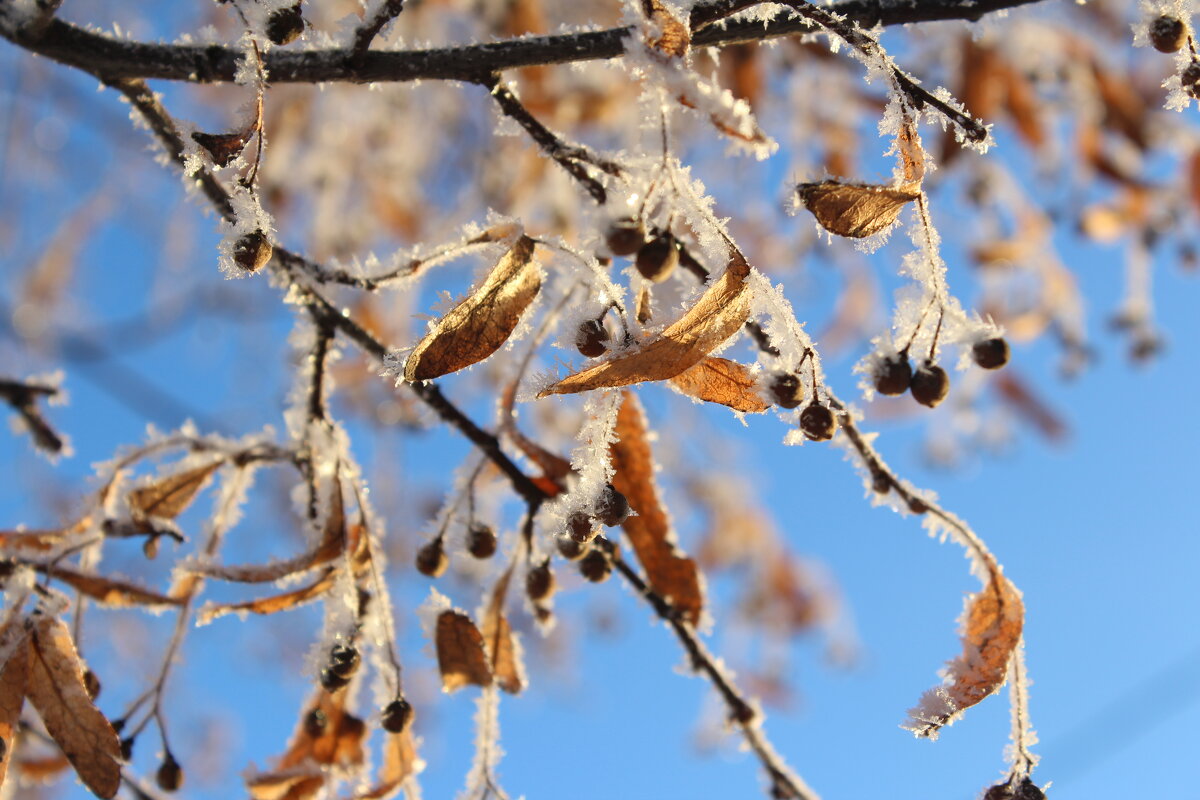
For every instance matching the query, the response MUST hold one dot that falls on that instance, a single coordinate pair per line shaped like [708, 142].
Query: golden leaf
[167, 498]
[674, 37]
[56, 689]
[669, 572]
[336, 740]
[110, 591]
[855, 210]
[481, 323]
[502, 649]
[991, 633]
[273, 603]
[13, 677]
[300, 784]
[400, 762]
[719, 380]
[718, 314]
[36, 541]
[461, 657]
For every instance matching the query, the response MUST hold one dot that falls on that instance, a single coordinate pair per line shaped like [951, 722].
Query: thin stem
[387, 11]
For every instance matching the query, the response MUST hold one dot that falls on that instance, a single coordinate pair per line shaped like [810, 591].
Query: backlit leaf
[167, 498]
[854, 210]
[13, 678]
[273, 603]
[460, 652]
[502, 648]
[719, 380]
[110, 591]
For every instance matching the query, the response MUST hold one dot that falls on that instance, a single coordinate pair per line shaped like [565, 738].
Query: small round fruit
[396, 715]
[170, 775]
[624, 236]
[612, 508]
[252, 251]
[570, 549]
[285, 25]
[344, 660]
[892, 375]
[787, 390]
[432, 559]
[592, 338]
[127, 748]
[481, 540]
[991, 353]
[930, 384]
[657, 258]
[595, 566]
[1190, 79]
[817, 422]
[580, 529]
[539, 582]
[332, 681]
[1167, 34]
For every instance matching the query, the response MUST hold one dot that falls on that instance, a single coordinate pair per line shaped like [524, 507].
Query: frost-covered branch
[23, 397]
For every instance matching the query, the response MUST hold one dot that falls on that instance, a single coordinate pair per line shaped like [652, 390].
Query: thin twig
[387, 11]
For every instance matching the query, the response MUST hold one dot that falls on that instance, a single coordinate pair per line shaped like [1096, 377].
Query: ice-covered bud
[252, 251]
[580, 529]
[612, 508]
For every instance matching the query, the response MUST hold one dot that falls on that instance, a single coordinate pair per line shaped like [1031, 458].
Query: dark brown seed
[332, 681]
[1191, 79]
[595, 566]
[624, 236]
[170, 775]
[892, 375]
[817, 422]
[285, 25]
[743, 713]
[880, 482]
[1167, 34]
[580, 528]
[396, 715]
[917, 506]
[592, 338]
[569, 548]
[432, 559]
[930, 384]
[612, 508]
[127, 748]
[787, 390]
[1025, 789]
[481, 540]
[91, 683]
[252, 251]
[343, 660]
[315, 723]
[657, 258]
[539, 582]
[990, 353]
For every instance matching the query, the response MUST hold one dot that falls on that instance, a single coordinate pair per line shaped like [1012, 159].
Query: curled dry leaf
[674, 37]
[719, 380]
[500, 642]
[56, 689]
[273, 603]
[481, 323]
[718, 314]
[669, 572]
[855, 210]
[111, 592]
[167, 498]
[223, 148]
[400, 762]
[460, 652]
[13, 677]
[297, 784]
[991, 633]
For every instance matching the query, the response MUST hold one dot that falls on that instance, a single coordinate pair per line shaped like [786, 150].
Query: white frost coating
[249, 216]
[429, 611]
[481, 779]
[1019, 751]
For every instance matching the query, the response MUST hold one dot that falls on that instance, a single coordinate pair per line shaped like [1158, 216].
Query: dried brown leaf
[223, 148]
[855, 210]
[718, 314]
[719, 380]
[301, 784]
[56, 689]
[400, 762]
[669, 572]
[167, 498]
[481, 323]
[36, 541]
[674, 36]
[273, 603]
[991, 633]
[13, 678]
[110, 591]
[338, 742]
[461, 657]
[502, 649]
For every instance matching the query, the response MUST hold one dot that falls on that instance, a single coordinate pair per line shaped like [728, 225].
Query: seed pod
[1026, 789]
[344, 660]
[315, 723]
[930, 384]
[285, 25]
[481, 540]
[990, 353]
[893, 375]
[150, 547]
[592, 338]
[91, 683]
[252, 251]
[580, 529]
[595, 566]
[817, 422]
[170, 775]
[570, 549]
[1167, 34]
[625, 235]
[787, 390]
[539, 582]
[657, 258]
[612, 508]
[332, 681]
[917, 506]
[431, 559]
[1190, 79]
[396, 715]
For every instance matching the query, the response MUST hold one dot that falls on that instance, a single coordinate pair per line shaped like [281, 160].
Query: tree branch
[112, 59]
